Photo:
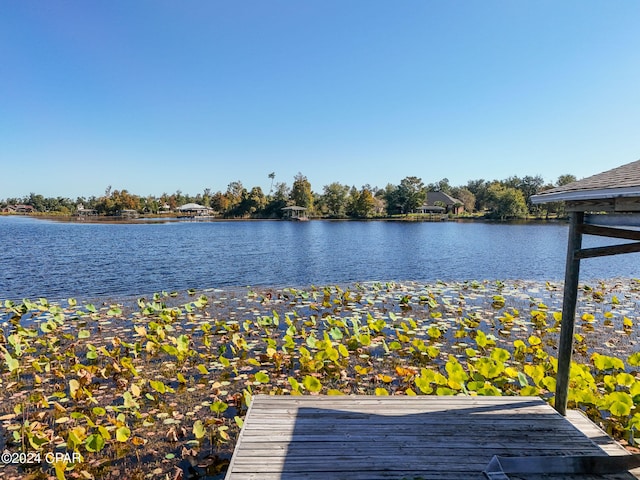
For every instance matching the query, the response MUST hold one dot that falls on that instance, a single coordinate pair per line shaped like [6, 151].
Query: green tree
[529, 186]
[441, 186]
[467, 198]
[277, 201]
[149, 204]
[362, 203]
[410, 194]
[335, 198]
[301, 194]
[219, 202]
[272, 176]
[565, 180]
[168, 200]
[234, 194]
[254, 202]
[391, 199]
[180, 198]
[480, 189]
[36, 201]
[117, 200]
[206, 197]
[506, 202]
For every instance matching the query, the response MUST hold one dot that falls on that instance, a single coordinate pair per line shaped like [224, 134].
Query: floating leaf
[312, 384]
[129, 402]
[634, 359]
[434, 332]
[588, 317]
[74, 386]
[94, 443]
[135, 390]
[481, 339]
[123, 434]
[384, 378]
[137, 441]
[500, 355]
[218, 406]
[12, 363]
[522, 379]
[158, 386]
[619, 403]
[199, 429]
[534, 340]
[605, 362]
[625, 379]
[92, 354]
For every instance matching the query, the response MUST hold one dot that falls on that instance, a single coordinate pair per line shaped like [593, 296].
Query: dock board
[406, 438]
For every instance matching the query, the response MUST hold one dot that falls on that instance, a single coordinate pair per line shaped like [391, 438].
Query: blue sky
[158, 96]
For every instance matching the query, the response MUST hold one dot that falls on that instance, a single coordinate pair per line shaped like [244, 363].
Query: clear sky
[157, 96]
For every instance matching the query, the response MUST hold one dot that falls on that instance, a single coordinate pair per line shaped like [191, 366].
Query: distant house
[430, 209]
[21, 209]
[294, 212]
[440, 202]
[85, 212]
[194, 210]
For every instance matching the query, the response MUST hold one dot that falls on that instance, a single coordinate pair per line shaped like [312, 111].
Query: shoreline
[161, 218]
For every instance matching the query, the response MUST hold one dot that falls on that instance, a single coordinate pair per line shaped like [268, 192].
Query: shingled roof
[623, 181]
[433, 197]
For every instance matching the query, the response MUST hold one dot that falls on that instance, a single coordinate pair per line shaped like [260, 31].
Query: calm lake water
[50, 259]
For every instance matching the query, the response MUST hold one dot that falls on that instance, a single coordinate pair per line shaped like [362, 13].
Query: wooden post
[565, 348]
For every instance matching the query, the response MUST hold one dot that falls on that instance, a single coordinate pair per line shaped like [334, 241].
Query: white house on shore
[194, 210]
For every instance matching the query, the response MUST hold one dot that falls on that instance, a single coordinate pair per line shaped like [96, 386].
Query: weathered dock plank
[406, 438]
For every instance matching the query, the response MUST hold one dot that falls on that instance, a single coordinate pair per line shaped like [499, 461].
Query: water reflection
[55, 259]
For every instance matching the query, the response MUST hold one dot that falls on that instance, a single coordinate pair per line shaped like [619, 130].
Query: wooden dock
[407, 438]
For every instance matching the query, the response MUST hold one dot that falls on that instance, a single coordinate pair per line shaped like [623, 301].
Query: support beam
[565, 347]
[610, 232]
[610, 250]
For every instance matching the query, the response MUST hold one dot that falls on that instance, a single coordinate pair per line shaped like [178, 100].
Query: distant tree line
[496, 199]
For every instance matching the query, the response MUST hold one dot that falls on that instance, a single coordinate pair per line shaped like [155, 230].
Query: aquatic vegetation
[150, 384]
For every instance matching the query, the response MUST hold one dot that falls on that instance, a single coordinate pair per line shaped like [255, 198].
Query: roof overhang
[294, 208]
[585, 195]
